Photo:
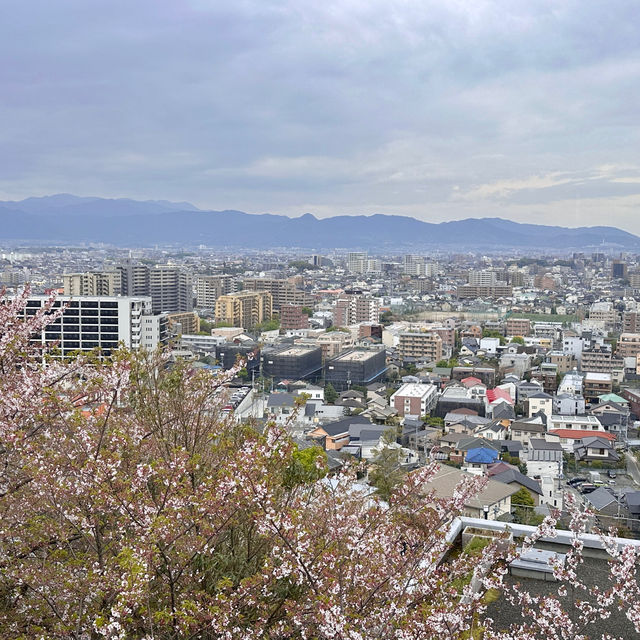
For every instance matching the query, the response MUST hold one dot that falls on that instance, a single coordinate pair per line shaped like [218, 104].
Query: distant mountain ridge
[69, 219]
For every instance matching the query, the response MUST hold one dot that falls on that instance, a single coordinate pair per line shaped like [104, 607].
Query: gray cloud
[428, 108]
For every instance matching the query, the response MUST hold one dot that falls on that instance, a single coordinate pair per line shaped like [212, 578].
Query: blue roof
[482, 455]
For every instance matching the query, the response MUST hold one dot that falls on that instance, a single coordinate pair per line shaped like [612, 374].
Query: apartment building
[499, 290]
[282, 292]
[631, 320]
[628, 345]
[210, 288]
[356, 308]
[95, 283]
[188, 322]
[102, 322]
[334, 342]
[518, 327]
[596, 384]
[600, 360]
[244, 308]
[357, 261]
[415, 399]
[292, 317]
[416, 344]
[170, 287]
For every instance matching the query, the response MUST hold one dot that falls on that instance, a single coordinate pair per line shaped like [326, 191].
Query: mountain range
[69, 219]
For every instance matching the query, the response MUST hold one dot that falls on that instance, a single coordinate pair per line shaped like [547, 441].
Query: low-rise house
[492, 502]
[568, 438]
[544, 458]
[590, 449]
[335, 435]
[478, 459]
[540, 401]
[513, 477]
[524, 430]
[568, 404]
[495, 430]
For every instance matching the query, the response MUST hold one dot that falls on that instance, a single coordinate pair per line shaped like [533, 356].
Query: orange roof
[578, 434]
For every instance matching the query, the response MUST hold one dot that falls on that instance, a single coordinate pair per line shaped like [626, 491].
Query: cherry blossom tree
[131, 506]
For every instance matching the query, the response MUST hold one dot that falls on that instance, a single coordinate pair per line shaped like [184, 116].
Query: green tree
[205, 327]
[385, 473]
[308, 311]
[523, 504]
[330, 394]
[518, 339]
[306, 466]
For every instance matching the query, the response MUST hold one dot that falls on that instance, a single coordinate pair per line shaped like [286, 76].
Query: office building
[102, 322]
[244, 308]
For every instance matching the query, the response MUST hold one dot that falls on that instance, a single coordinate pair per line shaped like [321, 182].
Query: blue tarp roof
[481, 455]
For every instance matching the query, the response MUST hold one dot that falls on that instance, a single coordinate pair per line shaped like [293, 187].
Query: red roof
[498, 394]
[465, 411]
[578, 434]
[471, 381]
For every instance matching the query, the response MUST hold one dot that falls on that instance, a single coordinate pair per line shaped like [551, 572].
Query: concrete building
[187, 322]
[357, 261]
[596, 384]
[629, 345]
[96, 283]
[210, 288]
[415, 399]
[416, 344]
[170, 287]
[292, 317]
[102, 322]
[356, 308]
[334, 342]
[356, 367]
[282, 292]
[518, 327]
[244, 308]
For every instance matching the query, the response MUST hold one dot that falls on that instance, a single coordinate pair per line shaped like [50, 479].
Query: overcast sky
[528, 110]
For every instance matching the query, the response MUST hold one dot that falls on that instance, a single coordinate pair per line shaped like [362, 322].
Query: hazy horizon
[437, 111]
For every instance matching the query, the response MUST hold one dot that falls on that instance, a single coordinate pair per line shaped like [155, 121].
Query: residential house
[568, 404]
[513, 477]
[477, 460]
[539, 402]
[495, 496]
[544, 458]
[524, 430]
[593, 448]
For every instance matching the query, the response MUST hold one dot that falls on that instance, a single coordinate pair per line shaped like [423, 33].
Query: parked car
[612, 474]
[576, 481]
[587, 487]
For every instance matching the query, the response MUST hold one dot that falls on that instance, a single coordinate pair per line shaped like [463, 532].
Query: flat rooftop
[295, 351]
[355, 356]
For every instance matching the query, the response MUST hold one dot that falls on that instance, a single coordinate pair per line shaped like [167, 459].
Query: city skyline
[439, 112]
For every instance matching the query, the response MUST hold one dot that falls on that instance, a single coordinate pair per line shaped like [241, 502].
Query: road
[632, 467]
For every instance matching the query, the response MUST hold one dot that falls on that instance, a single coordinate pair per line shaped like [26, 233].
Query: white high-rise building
[357, 261]
[104, 322]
